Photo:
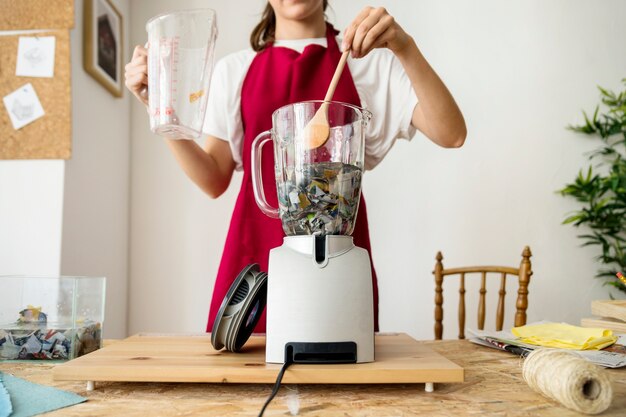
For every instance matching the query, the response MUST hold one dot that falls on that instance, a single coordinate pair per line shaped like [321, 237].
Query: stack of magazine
[613, 356]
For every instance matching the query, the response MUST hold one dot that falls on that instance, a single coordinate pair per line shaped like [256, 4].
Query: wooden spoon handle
[337, 75]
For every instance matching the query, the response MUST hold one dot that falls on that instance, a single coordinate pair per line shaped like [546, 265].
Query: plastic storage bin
[50, 318]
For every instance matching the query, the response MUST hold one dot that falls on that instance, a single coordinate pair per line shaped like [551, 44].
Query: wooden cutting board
[617, 326]
[614, 308]
[191, 358]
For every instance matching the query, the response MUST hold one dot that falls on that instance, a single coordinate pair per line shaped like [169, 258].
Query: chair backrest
[523, 273]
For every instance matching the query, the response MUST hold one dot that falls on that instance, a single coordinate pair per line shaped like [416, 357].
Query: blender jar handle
[257, 174]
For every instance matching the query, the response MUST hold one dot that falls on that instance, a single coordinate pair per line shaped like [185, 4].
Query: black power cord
[279, 378]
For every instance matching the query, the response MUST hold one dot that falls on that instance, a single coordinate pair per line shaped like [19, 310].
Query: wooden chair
[523, 273]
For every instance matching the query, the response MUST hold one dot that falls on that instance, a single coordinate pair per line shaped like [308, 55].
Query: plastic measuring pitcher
[180, 63]
[318, 189]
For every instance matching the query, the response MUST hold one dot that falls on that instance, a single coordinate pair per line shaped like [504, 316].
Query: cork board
[36, 14]
[49, 137]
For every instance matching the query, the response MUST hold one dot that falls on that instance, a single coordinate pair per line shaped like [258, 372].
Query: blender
[319, 286]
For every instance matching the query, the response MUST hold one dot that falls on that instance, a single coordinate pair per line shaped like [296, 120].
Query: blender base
[320, 299]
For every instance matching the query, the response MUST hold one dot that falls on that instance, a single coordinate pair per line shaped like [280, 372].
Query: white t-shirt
[381, 83]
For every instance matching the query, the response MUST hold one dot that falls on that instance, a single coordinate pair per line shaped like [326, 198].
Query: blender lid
[241, 309]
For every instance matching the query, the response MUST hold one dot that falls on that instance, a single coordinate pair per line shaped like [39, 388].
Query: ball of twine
[569, 379]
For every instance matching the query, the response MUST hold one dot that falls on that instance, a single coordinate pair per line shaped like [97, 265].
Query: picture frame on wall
[103, 44]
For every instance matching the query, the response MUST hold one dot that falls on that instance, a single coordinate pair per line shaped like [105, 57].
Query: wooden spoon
[317, 130]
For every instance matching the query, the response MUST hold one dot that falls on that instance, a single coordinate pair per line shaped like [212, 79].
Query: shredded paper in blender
[323, 199]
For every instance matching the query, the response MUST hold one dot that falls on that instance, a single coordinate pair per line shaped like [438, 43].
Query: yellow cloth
[565, 336]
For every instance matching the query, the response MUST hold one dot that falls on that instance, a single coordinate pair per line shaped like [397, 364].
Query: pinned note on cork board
[35, 79]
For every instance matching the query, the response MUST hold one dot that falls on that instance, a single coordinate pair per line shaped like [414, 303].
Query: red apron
[278, 76]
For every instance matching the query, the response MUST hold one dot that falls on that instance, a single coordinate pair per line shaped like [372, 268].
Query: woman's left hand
[374, 28]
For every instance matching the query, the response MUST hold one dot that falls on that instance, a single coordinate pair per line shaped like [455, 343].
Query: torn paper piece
[35, 56]
[23, 106]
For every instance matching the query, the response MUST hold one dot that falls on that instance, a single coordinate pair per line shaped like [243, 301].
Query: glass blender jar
[318, 188]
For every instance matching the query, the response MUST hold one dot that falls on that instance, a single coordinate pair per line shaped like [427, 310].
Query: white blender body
[320, 305]
[327, 302]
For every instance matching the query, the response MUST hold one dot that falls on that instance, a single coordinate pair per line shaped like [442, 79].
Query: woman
[294, 54]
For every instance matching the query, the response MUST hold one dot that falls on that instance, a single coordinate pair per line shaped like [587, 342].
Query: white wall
[31, 206]
[521, 71]
[96, 199]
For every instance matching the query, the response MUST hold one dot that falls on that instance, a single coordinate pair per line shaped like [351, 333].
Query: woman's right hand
[136, 74]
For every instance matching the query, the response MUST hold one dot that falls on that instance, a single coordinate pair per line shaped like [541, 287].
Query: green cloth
[31, 399]
[5, 400]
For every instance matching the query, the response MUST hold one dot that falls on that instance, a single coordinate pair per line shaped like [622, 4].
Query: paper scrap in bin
[37, 339]
[32, 314]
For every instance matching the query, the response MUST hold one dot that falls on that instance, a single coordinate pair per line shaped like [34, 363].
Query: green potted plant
[602, 188]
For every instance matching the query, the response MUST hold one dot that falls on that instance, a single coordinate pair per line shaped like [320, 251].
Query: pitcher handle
[257, 174]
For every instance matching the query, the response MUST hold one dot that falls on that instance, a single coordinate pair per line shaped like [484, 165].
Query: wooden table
[493, 386]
